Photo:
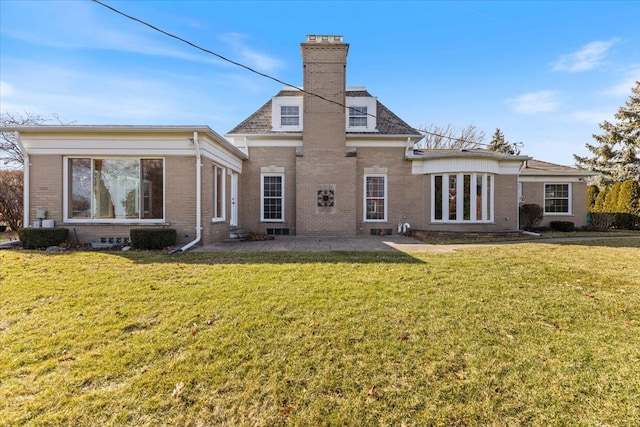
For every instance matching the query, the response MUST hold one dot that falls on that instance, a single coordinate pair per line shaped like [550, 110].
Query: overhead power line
[252, 70]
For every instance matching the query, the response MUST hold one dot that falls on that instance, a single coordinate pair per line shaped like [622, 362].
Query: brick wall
[533, 193]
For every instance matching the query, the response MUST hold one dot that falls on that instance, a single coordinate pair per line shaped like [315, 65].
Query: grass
[531, 334]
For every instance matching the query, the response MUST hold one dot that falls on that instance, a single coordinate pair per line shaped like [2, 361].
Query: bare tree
[450, 137]
[10, 153]
[11, 201]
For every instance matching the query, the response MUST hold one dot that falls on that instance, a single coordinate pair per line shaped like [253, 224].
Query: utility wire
[252, 70]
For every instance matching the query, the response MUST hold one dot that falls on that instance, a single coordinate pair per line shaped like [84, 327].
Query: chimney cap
[315, 38]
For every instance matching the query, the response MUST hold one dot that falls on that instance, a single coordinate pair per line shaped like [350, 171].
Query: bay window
[462, 197]
[115, 189]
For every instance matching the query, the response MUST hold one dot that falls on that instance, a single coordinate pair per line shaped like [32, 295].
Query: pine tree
[500, 145]
[629, 197]
[592, 194]
[616, 153]
[611, 202]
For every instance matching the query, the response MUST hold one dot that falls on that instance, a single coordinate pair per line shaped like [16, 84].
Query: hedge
[153, 238]
[36, 238]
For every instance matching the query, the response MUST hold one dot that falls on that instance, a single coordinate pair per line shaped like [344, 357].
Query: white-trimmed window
[114, 189]
[286, 113]
[361, 113]
[557, 199]
[272, 197]
[462, 197]
[358, 116]
[375, 198]
[289, 115]
[218, 193]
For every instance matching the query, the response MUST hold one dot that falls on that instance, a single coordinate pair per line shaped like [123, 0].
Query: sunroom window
[462, 197]
[115, 189]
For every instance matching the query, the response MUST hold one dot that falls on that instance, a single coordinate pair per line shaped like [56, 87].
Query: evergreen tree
[600, 200]
[500, 145]
[616, 153]
[592, 194]
[629, 197]
[611, 202]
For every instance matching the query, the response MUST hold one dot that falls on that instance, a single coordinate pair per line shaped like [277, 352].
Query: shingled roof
[538, 167]
[387, 122]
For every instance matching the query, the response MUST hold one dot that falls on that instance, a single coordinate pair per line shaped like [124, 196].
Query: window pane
[467, 198]
[153, 189]
[80, 191]
[479, 197]
[374, 194]
[218, 192]
[556, 198]
[289, 115]
[489, 197]
[272, 198]
[438, 196]
[453, 198]
[357, 116]
[116, 188]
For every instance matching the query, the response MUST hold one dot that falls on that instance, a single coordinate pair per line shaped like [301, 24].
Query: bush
[562, 225]
[153, 238]
[530, 216]
[36, 238]
[601, 221]
[626, 221]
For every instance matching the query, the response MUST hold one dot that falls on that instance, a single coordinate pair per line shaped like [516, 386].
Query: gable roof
[387, 122]
[538, 167]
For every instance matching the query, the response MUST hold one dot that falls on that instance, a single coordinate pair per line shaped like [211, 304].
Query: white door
[233, 220]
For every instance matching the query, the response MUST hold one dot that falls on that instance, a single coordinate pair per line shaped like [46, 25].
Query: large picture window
[375, 198]
[462, 197]
[557, 198]
[272, 197]
[115, 189]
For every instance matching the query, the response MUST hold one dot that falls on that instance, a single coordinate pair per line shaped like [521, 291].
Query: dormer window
[286, 114]
[289, 115]
[361, 114]
[358, 116]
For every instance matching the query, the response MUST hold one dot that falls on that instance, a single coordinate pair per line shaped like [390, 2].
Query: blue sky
[546, 73]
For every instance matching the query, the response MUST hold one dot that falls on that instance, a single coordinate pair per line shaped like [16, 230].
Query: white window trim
[364, 197]
[358, 102]
[487, 217]
[221, 217]
[65, 193]
[262, 176]
[285, 101]
[569, 199]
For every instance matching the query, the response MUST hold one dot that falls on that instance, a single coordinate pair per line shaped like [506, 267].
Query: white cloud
[589, 57]
[6, 90]
[588, 116]
[535, 102]
[248, 55]
[623, 87]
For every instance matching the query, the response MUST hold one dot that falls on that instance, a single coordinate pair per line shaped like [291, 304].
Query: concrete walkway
[365, 243]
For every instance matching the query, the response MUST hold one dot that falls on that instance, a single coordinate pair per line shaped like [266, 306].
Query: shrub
[36, 238]
[629, 197]
[153, 238]
[592, 195]
[562, 225]
[530, 215]
[626, 221]
[601, 221]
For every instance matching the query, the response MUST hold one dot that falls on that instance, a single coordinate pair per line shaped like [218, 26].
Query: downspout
[26, 181]
[188, 246]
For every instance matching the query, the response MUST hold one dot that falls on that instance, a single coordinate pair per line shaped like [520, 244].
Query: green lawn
[528, 334]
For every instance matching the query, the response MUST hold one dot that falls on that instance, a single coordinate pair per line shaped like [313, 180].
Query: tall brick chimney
[325, 175]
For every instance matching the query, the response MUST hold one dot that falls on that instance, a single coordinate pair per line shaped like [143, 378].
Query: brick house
[329, 160]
